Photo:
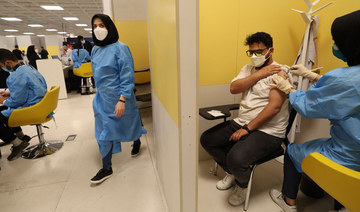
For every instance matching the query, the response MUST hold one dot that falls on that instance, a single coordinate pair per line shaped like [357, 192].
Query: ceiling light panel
[31, 12]
[52, 7]
[11, 19]
[35, 25]
[70, 18]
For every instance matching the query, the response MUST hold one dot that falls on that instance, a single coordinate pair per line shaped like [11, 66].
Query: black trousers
[7, 133]
[292, 178]
[236, 157]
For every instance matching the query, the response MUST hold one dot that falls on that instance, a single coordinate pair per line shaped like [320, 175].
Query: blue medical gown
[83, 57]
[113, 69]
[27, 87]
[336, 97]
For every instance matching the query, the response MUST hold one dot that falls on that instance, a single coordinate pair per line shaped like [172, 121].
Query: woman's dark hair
[345, 31]
[260, 37]
[78, 46]
[31, 50]
[112, 36]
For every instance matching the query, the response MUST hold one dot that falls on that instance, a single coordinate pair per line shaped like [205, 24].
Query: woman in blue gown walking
[116, 113]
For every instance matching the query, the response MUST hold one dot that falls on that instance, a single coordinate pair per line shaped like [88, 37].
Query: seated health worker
[26, 87]
[335, 96]
[260, 126]
[79, 55]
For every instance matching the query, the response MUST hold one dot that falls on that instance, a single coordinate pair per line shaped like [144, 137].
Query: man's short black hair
[7, 55]
[80, 37]
[16, 46]
[260, 37]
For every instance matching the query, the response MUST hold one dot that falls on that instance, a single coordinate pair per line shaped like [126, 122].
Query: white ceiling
[31, 13]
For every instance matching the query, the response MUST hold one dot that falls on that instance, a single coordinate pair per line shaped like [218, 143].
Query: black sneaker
[101, 176]
[17, 150]
[135, 149]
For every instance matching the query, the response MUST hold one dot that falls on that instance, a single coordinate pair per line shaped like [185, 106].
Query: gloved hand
[281, 84]
[300, 70]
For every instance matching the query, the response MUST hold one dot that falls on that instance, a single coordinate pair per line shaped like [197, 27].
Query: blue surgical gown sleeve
[19, 93]
[126, 67]
[332, 97]
[87, 57]
[75, 58]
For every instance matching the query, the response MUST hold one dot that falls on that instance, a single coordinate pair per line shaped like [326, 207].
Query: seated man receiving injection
[260, 126]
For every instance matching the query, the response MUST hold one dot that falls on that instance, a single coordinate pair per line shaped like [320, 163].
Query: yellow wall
[218, 25]
[23, 48]
[218, 35]
[52, 50]
[163, 54]
[135, 35]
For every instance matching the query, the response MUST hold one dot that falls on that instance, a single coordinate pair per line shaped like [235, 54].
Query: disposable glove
[300, 70]
[281, 84]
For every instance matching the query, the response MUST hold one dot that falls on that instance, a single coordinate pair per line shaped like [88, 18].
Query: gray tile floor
[61, 182]
[266, 176]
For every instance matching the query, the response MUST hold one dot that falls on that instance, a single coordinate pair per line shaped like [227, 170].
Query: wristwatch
[245, 127]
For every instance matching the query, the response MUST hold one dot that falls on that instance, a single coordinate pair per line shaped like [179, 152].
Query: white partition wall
[7, 43]
[53, 44]
[23, 41]
[53, 73]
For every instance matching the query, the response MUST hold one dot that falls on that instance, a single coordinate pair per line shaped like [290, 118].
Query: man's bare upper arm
[276, 98]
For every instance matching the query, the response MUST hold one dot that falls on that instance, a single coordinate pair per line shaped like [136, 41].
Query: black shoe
[136, 149]
[101, 176]
[26, 138]
[17, 150]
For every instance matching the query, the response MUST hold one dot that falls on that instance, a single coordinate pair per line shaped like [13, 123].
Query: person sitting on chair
[260, 126]
[79, 55]
[26, 87]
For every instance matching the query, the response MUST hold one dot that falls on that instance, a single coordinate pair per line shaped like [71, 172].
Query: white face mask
[37, 51]
[260, 60]
[100, 33]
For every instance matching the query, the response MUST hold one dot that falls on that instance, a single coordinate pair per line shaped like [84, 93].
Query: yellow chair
[85, 72]
[36, 115]
[142, 77]
[342, 183]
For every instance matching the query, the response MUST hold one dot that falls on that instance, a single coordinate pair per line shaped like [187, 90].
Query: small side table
[225, 109]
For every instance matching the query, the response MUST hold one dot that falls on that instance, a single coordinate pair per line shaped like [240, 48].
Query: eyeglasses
[257, 52]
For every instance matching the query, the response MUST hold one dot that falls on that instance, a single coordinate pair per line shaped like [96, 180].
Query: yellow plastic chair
[36, 115]
[85, 71]
[342, 183]
[142, 77]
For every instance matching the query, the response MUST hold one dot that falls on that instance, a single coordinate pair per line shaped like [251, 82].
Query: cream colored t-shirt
[255, 99]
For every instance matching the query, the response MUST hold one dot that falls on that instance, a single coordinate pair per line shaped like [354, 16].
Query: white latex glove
[300, 70]
[281, 84]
